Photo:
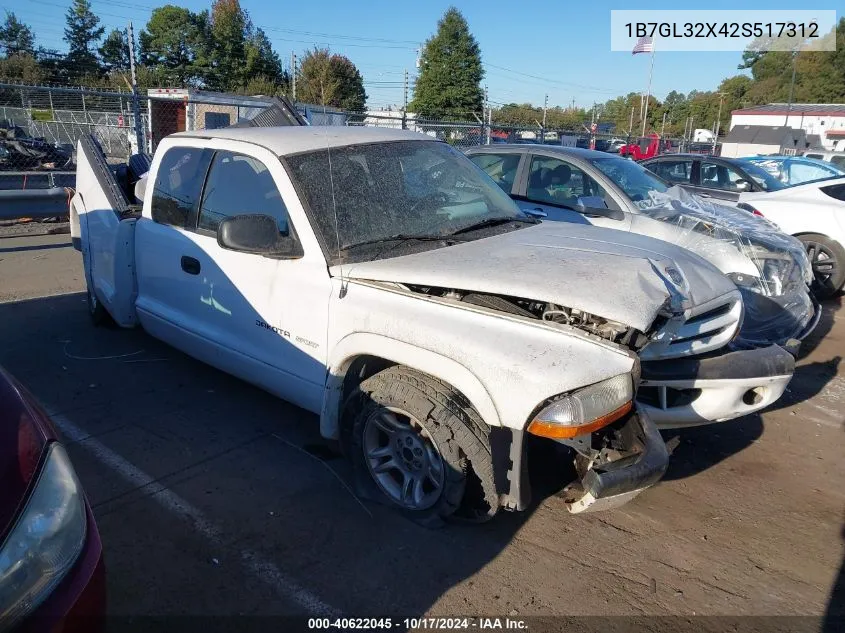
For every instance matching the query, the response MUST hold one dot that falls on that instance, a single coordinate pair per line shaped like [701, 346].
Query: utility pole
[663, 126]
[543, 131]
[293, 75]
[489, 116]
[136, 106]
[718, 122]
[405, 104]
[631, 121]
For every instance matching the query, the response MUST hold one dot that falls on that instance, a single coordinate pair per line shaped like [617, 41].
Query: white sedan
[815, 214]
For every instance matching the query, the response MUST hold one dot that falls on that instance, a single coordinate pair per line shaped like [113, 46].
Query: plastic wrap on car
[773, 272]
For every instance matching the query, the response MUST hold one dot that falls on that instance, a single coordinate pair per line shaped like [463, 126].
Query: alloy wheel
[403, 458]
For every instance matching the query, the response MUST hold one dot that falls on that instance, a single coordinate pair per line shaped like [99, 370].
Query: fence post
[136, 109]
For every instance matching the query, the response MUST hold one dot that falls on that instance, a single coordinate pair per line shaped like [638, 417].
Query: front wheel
[827, 257]
[421, 447]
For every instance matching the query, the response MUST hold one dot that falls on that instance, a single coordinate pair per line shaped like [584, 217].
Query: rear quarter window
[835, 191]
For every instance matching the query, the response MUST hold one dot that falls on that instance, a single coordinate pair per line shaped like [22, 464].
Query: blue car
[795, 170]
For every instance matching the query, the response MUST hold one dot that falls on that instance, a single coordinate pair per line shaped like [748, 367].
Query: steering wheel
[438, 198]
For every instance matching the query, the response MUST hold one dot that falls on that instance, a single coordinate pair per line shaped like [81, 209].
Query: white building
[823, 120]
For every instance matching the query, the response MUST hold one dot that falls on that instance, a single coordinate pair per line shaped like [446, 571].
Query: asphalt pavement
[213, 498]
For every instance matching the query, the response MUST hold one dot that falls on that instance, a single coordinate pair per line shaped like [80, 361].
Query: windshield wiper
[493, 222]
[403, 237]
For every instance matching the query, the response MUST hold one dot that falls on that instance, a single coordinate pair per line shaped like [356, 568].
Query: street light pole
[791, 89]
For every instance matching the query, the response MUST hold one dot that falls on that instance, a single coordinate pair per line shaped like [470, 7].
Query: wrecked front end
[770, 268]
[616, 464]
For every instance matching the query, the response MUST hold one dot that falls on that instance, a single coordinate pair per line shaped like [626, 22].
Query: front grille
[662, 397]
[702, 329]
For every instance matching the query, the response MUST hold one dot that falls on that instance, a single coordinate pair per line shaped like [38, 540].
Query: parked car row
[805, 198]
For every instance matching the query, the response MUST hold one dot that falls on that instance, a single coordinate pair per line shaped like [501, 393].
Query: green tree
[449, 81]
[174, 45]
[261, 62]
[331, 80]
[22, 67]
[114, 52]
[82, 34]
[227, 52]
[16, 37]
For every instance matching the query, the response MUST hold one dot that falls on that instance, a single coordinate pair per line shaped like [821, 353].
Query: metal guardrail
[33, 203]
[20, 180]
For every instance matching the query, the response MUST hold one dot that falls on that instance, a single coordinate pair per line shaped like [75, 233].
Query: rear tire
[418, 445]
[827, 257]
[99, 315]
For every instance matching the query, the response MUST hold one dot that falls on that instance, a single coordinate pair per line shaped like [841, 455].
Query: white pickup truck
[380, 280]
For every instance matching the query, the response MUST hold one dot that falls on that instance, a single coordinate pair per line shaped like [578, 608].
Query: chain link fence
[40, 125]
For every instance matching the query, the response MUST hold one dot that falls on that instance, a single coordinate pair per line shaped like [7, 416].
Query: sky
[530, 49]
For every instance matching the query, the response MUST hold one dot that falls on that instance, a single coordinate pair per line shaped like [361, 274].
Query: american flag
[644, 45]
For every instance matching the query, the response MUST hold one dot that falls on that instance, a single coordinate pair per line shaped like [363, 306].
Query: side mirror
[257, 234]
[743, 185]
[594, 206]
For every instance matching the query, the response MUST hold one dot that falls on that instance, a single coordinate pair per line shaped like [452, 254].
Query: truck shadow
[366, 560]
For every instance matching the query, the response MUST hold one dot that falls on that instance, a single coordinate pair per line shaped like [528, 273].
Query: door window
[178, 184]
[500, 167]
[239, 185]
[839, 161]
[716, 176]
[677, 172]
[554, 181]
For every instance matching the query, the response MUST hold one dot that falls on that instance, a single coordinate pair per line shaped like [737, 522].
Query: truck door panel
[256, 306]
[164, 288]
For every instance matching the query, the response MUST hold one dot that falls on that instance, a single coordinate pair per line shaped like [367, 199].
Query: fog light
[754, 396]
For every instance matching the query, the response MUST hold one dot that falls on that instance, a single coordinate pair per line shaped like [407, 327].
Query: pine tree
[16, 37]
[228, 45]
[82, 34]
[114, 52]
[449, 81]
[331, 80]
[174, 45]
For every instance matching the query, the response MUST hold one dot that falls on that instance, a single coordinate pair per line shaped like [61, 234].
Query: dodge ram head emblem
[675, 275]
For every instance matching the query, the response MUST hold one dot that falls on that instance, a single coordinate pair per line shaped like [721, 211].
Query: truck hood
[613, 274]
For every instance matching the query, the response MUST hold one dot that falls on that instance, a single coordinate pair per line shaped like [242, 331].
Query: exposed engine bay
[606, 329]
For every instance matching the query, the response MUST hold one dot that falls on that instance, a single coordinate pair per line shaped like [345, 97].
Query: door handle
[705, 195]
[190, 265]
[536, 212]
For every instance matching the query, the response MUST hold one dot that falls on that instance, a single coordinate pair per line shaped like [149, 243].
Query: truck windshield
[378, 191]
[632, 178]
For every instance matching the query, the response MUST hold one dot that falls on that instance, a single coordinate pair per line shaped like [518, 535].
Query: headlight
[46, 540]
[585, 410]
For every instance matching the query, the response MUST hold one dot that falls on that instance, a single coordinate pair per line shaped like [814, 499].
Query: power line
[547, 80]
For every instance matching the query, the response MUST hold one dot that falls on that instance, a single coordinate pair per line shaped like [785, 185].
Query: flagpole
[648, 91]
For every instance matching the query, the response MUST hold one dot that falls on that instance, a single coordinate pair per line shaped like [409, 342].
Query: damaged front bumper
[613, 465]
[625, 459]
[700, 390]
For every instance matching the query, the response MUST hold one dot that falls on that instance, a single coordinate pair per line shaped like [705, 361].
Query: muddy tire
[99, 315]
[418, 445]
[827, 257]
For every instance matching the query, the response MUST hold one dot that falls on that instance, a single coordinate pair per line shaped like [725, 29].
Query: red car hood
[24, 434]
